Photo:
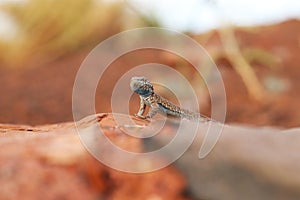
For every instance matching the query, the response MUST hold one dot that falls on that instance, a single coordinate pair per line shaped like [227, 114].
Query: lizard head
[141, 86]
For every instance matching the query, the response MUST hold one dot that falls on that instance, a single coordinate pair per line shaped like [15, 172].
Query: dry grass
[51, 28]
[241, 59]
[239, 63]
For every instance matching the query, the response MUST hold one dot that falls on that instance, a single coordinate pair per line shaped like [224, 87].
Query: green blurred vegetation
[48, 29]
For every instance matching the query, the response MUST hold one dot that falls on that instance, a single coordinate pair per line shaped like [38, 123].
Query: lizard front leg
[154, 109]
[141, 109]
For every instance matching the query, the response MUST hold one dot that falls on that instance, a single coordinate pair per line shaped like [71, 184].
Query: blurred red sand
[43, 94]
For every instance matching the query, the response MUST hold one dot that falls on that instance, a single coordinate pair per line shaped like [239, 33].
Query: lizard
[144, 88]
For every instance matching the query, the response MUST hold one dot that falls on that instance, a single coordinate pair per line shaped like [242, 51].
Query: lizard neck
[147, 95]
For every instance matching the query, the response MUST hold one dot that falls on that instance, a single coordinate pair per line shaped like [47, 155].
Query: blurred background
[255, 45]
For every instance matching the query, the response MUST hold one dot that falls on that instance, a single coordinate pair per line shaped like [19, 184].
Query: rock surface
[49, 162]
[246, 163]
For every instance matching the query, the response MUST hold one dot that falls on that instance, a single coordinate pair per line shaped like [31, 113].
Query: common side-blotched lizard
[158, 104]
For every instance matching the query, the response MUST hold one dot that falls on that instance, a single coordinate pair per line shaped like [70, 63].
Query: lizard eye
[141, 86]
